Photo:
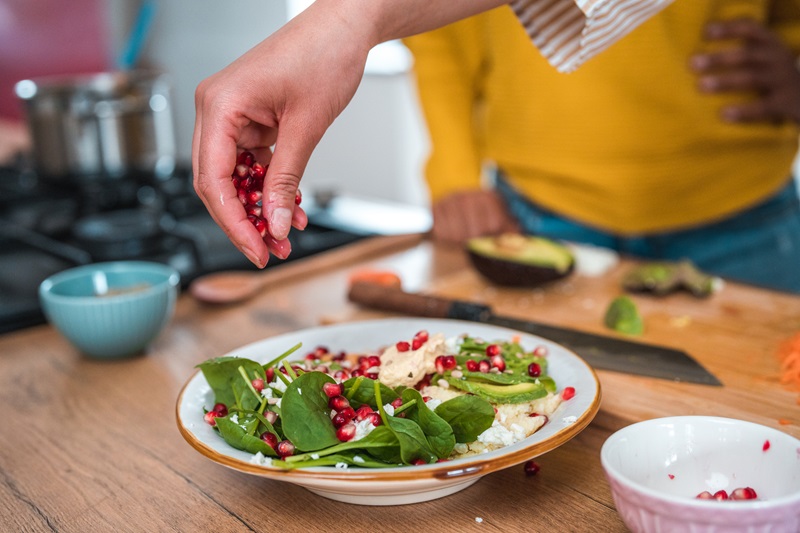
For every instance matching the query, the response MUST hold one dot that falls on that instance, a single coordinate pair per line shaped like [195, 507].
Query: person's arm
[289, 88]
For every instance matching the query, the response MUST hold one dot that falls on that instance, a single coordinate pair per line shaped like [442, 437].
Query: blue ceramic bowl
[111, 310]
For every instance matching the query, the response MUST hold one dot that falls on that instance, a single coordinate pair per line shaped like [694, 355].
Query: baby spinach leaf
[230, 388]
[240, 435]
[469, 416]
[437, 431]
[305, 413]
[361, 390]
[352, 458]
[380, 437]
[413, 444]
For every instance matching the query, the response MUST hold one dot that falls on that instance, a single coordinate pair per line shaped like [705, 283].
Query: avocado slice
[494, 393]
[519, 260]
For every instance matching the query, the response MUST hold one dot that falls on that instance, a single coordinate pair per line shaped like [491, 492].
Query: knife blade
[599, 351]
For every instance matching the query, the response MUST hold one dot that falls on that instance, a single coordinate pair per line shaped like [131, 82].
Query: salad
[419, 401]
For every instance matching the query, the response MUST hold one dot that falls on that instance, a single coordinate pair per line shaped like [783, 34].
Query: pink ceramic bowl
[657, 468]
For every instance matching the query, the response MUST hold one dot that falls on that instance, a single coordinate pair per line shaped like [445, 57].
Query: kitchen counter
[93, 446]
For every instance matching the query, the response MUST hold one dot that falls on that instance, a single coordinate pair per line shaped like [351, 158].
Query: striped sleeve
[569, 32]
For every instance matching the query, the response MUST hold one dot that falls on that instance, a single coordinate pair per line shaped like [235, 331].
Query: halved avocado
[520, 260]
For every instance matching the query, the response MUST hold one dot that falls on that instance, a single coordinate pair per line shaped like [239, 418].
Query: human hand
[285, 92]
[758, 63]
[463, 215]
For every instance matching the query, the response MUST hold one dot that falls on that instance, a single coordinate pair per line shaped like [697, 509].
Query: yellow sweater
[626, 144]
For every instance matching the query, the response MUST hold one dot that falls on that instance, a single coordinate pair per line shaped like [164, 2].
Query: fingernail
[251, 255]
[280, 222]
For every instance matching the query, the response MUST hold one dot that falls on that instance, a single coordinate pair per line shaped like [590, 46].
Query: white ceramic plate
[408, 484]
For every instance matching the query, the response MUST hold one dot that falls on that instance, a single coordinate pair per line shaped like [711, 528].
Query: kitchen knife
[607, 353]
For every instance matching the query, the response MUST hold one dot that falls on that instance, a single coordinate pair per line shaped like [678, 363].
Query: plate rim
[457, 470]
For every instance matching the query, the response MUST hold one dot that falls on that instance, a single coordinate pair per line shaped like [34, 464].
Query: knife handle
[386, 298]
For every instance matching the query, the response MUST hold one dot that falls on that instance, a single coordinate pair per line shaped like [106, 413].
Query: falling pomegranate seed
[720, 495]
[337, 403]
[284, 448]
[766, 446]
[472, 365]
[532, 468]
[332, 390]
[270, 439]
[568, 393]
[346, 432]
[402, 346]
[492, 349]
[744, 493]
[534, 370]
[671, 476]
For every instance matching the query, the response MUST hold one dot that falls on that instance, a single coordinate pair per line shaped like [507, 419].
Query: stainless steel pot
[101, 126]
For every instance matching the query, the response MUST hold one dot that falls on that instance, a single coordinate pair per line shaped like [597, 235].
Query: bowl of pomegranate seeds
[703, 473]
[387, 412]
[111, 310]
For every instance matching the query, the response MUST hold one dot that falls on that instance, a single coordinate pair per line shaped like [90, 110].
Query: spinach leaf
[469, 416]
[225, 379]
[361, 390]
[413, 444]
[305, 413]
[241, 435]
[437, 431]
[379, 438]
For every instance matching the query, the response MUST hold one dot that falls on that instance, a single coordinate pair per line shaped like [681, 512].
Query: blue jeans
[759, 246]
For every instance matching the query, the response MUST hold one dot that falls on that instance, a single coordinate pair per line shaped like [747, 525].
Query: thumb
[292, 151]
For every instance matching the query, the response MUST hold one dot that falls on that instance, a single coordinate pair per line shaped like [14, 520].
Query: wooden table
[93, 446]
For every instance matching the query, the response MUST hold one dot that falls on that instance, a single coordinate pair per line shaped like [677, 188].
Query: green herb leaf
[361, 390]
[241, 435]
[468, 416]
[230, 388]
[437, 431]
[305, 413]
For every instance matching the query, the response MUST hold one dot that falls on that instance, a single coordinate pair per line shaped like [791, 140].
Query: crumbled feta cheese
[299, 391]
[363, 428]
[453, 344]
[341, 466]
[460, 448]
[278, 385]
[261, 459]
[266, 392]
[433, 403]
[314, 456]
[569, 419]
[235, 418]
[389, 408]
[358, 459]
[498, 434]
[443, 383]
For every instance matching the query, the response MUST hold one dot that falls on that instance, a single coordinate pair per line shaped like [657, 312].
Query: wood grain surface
[88, 446]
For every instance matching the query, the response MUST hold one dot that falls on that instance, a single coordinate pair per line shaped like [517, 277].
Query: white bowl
[407, 484]
[657, 468]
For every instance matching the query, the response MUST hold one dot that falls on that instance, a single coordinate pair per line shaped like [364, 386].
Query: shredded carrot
[789, 354]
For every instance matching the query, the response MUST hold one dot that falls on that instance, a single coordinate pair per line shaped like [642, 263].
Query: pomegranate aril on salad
[333, 408]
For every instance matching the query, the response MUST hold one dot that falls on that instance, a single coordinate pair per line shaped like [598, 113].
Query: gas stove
[47, 227]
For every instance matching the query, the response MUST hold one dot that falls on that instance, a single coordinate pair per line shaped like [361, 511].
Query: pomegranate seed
[484, 365]
[271, 416]
[705, 495]
[270, 374]
[426, 399]
[421, 335]
[546, 418]
[242, 195]
[341, 375]
[284, 448]
[568, 393]
[339, 420]
[346, 432]
[472, 365]
[671, 476]
[498, 362]
[449, 362]
[439, 363]
[397, 403]
[416, 344]
[492, 349]
[534, 370]
[242, 171]
[720, 495]
[311, 356]
[298, 197]
[259, 171]
[321, 351]
[357, 373]
[258, 384]
[424, 382]
[744, 493]
[766, 446]
[253, 197]
[348, 413]
[373, 360]
[254, 210]
[363, 412]
[246, 158]
[332, 390]
[210, 417]
[337, 403]
[220, 408]
[259, 223]
[339, 356]
[375, 419]
[418, 462]
[532, 468]
[402, 346]
[540, 350]
[270, 439]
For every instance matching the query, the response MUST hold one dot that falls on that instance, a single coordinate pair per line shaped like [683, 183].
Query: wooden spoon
[227, 287]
